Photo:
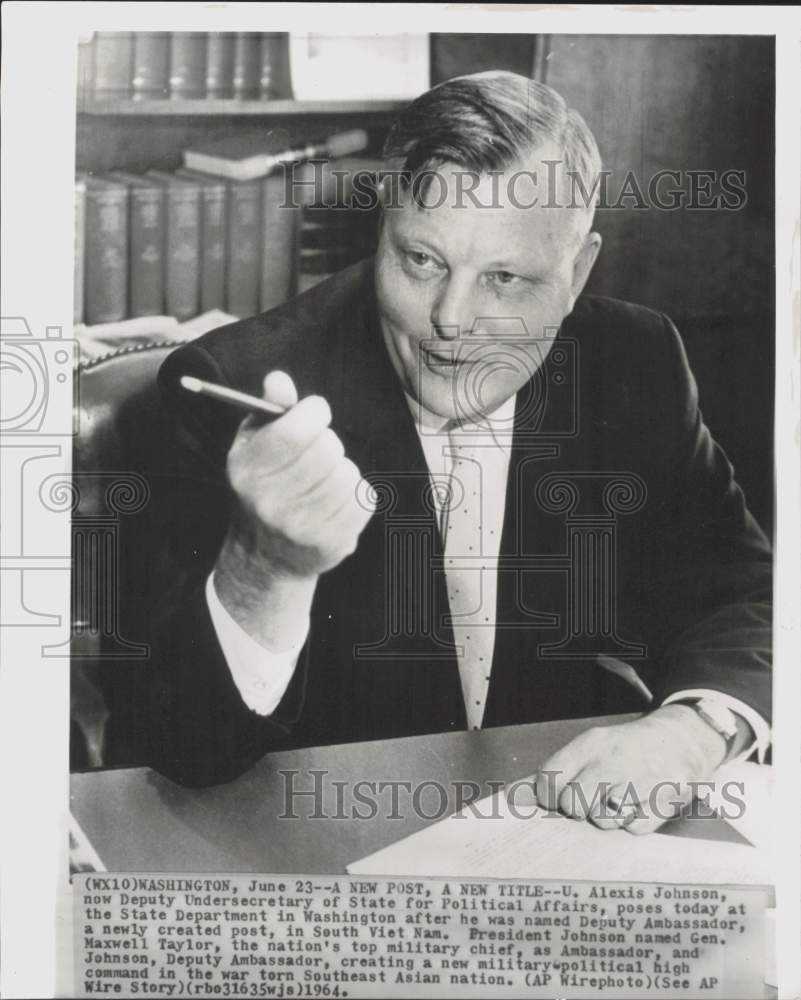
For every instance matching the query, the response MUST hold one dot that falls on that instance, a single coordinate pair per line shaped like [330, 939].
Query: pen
[252, 404]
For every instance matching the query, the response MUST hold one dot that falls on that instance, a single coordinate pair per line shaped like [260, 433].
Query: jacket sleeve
[195, 727]
[710, 575]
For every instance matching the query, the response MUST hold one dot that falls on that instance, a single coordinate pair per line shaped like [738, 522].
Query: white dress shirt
[262, 676]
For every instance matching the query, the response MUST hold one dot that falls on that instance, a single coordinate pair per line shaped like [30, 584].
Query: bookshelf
[141, 136]
[125, 120]
[235, 108]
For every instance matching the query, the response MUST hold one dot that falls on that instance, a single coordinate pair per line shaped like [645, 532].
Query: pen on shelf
[251, 404]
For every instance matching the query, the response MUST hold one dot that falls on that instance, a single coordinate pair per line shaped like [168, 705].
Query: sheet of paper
[756, 821]
[491, 839]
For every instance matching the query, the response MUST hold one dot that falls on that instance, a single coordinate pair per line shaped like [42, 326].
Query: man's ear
[387, 193]
[582, 264]
[384, 197]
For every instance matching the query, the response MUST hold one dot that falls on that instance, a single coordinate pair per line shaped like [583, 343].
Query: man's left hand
[645, 766]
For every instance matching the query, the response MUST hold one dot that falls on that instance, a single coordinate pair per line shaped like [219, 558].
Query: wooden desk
[140, 821]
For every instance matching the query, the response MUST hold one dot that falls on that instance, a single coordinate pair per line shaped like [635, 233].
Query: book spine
[275, 81]
[106, 253]
[146, 268]
[213, 246]
[151, 65]
[86, 70]
[183, 250]
[247, 65]
[187, 64]
[324, 244]
[244, 246]
[80, 249]
[220, 65]
[268, 52]
[279, 230]
[113, 64]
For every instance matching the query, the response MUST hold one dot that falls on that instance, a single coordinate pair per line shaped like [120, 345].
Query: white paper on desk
[496, 843]
[755, 789]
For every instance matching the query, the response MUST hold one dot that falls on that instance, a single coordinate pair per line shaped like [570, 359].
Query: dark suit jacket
[625, 534]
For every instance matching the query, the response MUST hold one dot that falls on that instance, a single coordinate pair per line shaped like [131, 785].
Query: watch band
[720, 718]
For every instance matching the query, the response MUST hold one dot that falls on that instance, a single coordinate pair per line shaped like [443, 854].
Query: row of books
[153, 65]
[183, 243]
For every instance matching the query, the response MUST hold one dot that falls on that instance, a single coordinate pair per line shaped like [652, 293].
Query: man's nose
[451, 314]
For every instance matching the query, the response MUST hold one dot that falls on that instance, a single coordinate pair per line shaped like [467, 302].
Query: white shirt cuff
[260, 675]
[759, 726]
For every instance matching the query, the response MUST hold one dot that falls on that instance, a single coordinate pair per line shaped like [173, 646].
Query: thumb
[279, 388]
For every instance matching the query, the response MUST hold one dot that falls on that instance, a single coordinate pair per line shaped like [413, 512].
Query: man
[547, 510]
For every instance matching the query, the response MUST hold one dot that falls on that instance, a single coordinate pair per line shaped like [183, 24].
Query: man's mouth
[438, 359]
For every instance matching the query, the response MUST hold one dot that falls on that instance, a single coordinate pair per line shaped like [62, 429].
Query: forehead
[522, 213]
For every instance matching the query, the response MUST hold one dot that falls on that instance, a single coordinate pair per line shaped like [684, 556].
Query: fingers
[666, 800]
[298, 496]
[314, 465]
[617, 777]
[586, 798]
[555, 775]
[329, 497]
[279, 388]
[271, 447]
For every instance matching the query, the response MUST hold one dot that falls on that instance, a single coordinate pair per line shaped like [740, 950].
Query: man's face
[470, 297]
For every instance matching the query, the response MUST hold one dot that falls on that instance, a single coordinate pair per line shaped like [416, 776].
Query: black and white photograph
[401, 501]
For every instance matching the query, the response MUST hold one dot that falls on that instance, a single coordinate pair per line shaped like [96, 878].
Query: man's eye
[421, 260]
[503, 277]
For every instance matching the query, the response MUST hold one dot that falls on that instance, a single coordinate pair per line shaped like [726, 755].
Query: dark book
[182, 244]
[151, 65]
[244, 247]
[333, 233]
[279, 233]
[146, 244]
[80, 248]
[106, 260]
[321, 241]
[213, 237]
[274, 76]
[220, 65]
[247, 65]
[113, 64]
[187, 64]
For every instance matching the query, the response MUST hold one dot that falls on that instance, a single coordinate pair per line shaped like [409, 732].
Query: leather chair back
[105, 490]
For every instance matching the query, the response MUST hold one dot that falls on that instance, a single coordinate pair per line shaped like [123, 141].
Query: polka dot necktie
[471, 578]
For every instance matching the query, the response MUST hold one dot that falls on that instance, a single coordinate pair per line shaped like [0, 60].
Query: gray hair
[487, 122]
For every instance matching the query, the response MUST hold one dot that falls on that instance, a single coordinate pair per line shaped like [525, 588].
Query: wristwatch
[720, 718]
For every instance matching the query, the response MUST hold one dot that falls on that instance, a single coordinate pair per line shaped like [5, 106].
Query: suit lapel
[373, 417]
[529, 600]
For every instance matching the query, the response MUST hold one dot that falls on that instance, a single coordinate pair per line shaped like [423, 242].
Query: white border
[38, 89]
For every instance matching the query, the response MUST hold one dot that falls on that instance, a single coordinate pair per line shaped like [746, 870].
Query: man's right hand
[296, 515]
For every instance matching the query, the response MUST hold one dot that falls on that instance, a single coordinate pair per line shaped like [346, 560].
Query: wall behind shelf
[691, 103]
